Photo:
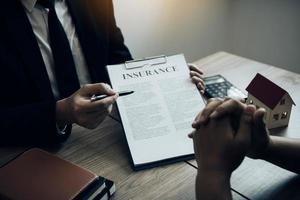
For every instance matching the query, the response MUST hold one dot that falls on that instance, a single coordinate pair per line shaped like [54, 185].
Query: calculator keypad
[218, 89]
[222, 89]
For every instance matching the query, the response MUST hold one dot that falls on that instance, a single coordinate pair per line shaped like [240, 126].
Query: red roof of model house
[266, 91]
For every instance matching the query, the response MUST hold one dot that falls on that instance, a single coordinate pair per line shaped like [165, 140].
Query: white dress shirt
[38, 17]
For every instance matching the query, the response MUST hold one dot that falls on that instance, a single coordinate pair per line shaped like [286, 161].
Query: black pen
[102, 96]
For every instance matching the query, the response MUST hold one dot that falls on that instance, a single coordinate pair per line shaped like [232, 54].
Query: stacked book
[36, 175]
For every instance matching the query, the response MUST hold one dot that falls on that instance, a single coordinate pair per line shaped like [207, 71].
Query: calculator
[218, 86]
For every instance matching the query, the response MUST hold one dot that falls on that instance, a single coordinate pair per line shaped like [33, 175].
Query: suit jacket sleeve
[32, 123]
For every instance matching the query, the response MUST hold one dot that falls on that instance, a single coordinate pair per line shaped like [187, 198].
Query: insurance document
[157, 117]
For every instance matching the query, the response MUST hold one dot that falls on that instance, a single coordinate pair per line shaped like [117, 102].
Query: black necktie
[65, 71]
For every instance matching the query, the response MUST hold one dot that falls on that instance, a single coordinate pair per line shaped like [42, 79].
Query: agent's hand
[196, 76]
[80, 110]
[218, 147]
[217, 108]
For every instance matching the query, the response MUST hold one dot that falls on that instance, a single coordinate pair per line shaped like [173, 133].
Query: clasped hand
[225, 132]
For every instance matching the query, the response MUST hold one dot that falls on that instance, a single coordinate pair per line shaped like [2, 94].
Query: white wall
[196, 28]
[264, 30]
[268, 31]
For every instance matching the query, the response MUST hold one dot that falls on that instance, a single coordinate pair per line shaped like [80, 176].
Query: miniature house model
[277, 102]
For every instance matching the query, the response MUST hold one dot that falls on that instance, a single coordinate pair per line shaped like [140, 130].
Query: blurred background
[264, 30]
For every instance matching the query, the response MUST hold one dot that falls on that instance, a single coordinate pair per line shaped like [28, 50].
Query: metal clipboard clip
[149, 61]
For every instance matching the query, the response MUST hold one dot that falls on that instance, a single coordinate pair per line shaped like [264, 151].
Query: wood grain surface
[105, 152]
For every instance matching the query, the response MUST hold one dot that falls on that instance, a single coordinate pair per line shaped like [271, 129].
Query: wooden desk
[104, 150]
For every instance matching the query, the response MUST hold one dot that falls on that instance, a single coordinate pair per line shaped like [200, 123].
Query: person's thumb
[260, 132]
[243, 135]
[258, 119]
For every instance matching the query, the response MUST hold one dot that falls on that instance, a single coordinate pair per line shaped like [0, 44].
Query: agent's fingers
[97, 88]
[203, 116]
[230, 106]
[195, 68]
[199, 83]
[193, 73]
[100, 104]
[191, 135]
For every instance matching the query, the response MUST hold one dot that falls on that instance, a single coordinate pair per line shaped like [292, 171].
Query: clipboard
[146, 62]
[132, 138]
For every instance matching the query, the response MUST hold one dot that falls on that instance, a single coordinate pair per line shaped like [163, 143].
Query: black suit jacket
[27, 104]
